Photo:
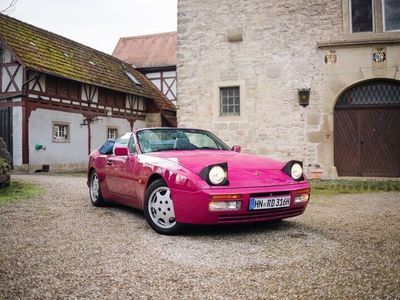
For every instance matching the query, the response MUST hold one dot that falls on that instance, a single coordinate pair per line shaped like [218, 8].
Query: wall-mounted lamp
[108, 111]
[304, 96]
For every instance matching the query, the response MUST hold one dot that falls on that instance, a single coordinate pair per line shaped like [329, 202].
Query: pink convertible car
[189, 176]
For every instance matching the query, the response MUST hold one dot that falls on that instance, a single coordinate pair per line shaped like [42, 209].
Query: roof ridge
[148, 35]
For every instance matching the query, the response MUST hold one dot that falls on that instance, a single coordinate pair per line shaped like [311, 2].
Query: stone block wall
[269, 49]
[278, 55]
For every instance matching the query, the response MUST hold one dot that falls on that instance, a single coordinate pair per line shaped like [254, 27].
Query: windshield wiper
[207, 148]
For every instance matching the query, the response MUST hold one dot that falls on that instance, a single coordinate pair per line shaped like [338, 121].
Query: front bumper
[192, 207]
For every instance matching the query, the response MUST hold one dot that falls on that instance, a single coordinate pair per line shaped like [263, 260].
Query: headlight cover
[294, 169]
[215, 174]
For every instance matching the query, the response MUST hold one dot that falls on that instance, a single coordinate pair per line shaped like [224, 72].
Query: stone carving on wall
[330, 57]
[379, 55]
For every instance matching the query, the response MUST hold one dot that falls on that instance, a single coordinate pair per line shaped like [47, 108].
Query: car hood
[244, 170]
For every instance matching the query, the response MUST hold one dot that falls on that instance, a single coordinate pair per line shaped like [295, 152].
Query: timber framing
[42, 70]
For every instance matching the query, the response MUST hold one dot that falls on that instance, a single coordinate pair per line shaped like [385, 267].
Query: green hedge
[5, 173]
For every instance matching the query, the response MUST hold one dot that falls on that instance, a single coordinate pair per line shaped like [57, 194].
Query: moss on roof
[50, 53]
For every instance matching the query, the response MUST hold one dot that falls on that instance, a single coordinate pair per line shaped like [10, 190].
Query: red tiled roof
[154, 50]
[53, 54]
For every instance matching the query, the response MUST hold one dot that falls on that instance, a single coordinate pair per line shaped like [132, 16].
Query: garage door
[367, 130]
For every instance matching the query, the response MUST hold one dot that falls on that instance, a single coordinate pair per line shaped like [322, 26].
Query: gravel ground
[60, 246]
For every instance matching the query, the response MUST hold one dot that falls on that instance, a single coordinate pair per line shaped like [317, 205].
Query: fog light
[224, 205]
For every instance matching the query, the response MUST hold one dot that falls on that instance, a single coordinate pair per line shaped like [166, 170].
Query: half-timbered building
[59, 99]
[155, 56]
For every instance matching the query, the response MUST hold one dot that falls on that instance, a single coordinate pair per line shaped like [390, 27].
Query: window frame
[228, 114]
[351, 18]
[112, 128]
[384, 20]
[54, 138]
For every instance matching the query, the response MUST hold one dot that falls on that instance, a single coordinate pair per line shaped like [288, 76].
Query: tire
[159, 209]
[94, 190]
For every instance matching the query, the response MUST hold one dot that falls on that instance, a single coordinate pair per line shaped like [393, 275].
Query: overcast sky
[98, 23]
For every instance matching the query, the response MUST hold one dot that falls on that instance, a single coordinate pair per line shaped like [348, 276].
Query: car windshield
[154, 140]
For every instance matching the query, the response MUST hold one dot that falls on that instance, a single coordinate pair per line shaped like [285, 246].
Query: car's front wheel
[159, 208]
[94, 190]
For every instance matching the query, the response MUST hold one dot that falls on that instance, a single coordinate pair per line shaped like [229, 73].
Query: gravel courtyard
[59, 246]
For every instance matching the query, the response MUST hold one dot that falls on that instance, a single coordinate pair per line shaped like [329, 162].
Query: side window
[107, 147]
[123, 140]
[131, 145]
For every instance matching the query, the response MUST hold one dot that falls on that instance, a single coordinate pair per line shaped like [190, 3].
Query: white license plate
[269, 202]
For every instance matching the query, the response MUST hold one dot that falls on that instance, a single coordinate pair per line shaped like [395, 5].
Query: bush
[5, 165]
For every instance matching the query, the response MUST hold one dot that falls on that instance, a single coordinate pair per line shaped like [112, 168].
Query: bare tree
[10, 8]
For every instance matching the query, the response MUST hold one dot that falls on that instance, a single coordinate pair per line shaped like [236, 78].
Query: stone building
[154, 55]
[244, 68]
[59, 99]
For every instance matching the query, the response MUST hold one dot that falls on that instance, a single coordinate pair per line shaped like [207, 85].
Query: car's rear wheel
[94, 190]
[159, 208]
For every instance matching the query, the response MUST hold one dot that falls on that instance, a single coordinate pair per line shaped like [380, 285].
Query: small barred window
[230, 101]
[61, 133]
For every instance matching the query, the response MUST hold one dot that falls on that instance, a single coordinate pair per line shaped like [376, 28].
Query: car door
[121, 174]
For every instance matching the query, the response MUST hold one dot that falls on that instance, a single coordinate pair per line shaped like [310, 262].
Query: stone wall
[273, 53]
[153, 120]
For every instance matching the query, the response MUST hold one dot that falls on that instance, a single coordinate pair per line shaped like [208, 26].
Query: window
[112, 133]
[391, 15]
[362, 15]
[133, 78]
[61, 132]
[123, 140]
[131, 145]
[230, 101]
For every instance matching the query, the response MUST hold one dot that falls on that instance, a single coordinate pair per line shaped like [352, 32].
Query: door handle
[109, 162]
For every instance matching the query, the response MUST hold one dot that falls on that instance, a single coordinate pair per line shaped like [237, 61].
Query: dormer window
[132, 78]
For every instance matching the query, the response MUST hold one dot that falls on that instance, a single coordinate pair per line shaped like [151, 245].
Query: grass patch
[18, 191]
[340, 186]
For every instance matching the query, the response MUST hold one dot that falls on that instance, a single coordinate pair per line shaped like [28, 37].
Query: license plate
[269, 202]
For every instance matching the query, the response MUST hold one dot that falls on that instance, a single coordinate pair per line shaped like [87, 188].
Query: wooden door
[367, 142]
[347, 146]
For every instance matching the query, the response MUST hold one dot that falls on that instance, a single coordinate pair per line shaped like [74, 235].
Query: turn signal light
[302, 195]
[224, 197]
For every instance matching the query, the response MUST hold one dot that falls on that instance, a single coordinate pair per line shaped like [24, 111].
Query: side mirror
[121, 151]
[236, 148]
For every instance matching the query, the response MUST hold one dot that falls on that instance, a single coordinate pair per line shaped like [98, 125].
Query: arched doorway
[367, 129]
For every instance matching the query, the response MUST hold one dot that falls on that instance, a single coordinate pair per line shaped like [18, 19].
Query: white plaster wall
[17, 136]
[41, 131]
[99, 129]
